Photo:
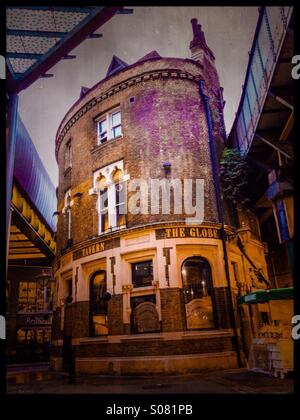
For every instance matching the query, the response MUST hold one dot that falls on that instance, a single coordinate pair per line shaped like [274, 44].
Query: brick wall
[222, 306]
[56, 325]
[165, 122]
[115, 315]
[155, 347]
[172, 310]
[80, 319]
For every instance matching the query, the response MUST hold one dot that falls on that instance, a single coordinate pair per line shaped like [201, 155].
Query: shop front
[272, 344]
[152, 298]
[34, 337]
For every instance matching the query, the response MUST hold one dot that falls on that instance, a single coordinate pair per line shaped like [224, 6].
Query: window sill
[143, 289]
[94, 149]
[207, 333]
[113, 229]
[143, 337]
[99, 339]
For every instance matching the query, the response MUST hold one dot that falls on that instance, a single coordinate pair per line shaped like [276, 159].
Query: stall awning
[261, 296]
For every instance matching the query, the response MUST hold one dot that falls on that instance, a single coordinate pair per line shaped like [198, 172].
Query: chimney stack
[198, 44]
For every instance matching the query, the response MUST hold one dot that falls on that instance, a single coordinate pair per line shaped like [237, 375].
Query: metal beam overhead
[30, 56]
[274, 146]
[97, 16]
[122, 11]
[280, 100]
[42, 34]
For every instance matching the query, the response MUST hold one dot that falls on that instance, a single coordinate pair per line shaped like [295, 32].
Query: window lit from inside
[98, 304]
[197, 292]
[34, 297]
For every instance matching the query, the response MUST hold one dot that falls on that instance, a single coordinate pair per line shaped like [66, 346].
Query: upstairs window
[109, 185]
[119, 197]
[102, 131]
[109, 126]
[67, 219]
[115, 119]
[68, 155]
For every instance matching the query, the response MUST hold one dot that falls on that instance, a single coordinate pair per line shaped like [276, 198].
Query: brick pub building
[149, 292]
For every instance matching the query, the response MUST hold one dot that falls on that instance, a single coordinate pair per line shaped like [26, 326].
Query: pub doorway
[98, 304]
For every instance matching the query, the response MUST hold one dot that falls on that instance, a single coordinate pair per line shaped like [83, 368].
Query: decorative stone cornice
[124, 84]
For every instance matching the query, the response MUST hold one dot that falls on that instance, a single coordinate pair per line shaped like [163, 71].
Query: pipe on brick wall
[205, 99]
[12, 122]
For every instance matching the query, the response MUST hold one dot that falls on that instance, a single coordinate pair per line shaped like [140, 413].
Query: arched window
[98, 305]
[103, 203]
[197, 291]
[67, 226]
[117, 178]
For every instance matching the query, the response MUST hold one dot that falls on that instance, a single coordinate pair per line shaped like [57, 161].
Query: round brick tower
[137, 272]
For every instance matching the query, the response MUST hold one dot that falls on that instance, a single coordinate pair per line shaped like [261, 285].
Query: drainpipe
[12, 115]
[220, 215]
[258, 274]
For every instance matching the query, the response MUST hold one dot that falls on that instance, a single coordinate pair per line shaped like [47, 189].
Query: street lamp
[43, 279]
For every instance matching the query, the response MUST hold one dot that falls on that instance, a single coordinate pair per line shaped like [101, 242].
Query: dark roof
[116, 65]
[83, 91]
[32, 177]
[152, 54]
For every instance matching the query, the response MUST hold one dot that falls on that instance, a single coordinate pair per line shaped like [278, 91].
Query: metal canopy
[32, 177]
[261, 296]
[263, 127]
[38, 37]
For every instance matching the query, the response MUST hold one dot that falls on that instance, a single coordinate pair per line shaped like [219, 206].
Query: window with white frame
[102, 131]
[109, 126]
[119, 192]
[109, 185]
[115, 124]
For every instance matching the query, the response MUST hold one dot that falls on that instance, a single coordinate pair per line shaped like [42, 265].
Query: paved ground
[41, 381]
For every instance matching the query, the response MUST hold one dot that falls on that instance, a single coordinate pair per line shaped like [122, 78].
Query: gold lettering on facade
[175, 233]
[168, 233]
[95, 248]
[192, 232]
[210, 233]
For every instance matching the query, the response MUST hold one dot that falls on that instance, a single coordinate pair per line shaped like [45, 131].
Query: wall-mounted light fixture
[167, 167]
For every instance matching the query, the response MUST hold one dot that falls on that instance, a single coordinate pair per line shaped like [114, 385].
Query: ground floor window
[98, 304]
[33, 344]
[144, 316]
[197, 292]
[142, 273]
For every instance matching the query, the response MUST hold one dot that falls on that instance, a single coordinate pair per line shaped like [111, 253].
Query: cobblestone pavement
[219, 382]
